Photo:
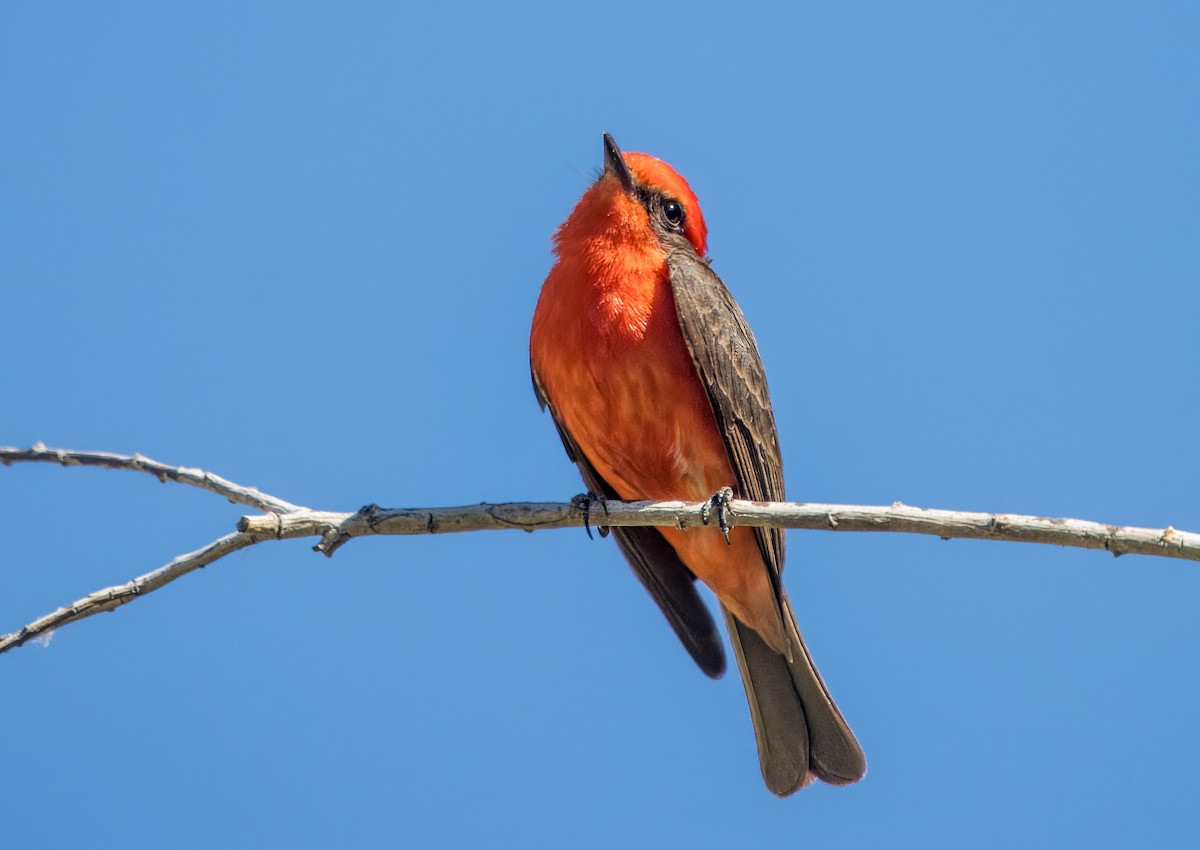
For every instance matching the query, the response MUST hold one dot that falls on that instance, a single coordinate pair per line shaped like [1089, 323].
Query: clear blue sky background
[300, 244]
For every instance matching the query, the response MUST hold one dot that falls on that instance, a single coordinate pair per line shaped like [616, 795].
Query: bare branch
[236, 493]
[532, 516]
[111, 598]
[282, 520]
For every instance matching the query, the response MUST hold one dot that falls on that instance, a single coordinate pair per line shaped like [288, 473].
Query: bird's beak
[615, 164]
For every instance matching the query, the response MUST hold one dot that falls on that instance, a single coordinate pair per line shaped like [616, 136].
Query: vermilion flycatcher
[656, 386]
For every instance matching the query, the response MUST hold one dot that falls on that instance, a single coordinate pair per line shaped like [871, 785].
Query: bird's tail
[801, 735]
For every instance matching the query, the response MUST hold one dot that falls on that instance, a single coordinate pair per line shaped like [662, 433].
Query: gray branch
[112, 598]
[249, 496]
[334, 528]
[282, 520]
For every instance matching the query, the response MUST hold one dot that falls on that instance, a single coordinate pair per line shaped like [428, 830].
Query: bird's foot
[583, 503]
[719, 504]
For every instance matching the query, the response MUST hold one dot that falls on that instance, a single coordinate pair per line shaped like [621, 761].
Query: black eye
[673, 212]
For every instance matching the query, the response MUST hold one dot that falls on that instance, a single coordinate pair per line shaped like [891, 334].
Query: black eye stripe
[666, 209]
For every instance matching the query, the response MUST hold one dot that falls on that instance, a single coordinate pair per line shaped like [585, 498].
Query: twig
[282, 520]
[111, 598]
[236, 493]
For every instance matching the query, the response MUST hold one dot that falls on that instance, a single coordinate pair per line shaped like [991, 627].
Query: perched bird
[656, 386]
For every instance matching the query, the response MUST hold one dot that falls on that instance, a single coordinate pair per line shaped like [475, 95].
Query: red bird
[656, 386]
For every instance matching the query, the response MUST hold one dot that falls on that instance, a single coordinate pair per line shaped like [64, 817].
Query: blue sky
[300, 244]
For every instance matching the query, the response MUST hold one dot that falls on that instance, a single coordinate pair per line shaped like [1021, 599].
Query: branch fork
[282, 520]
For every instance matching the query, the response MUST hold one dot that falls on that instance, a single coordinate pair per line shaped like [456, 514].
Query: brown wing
[671, 584]
[728, 363]
[798, 728]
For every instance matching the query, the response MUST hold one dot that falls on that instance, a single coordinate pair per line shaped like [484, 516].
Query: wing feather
[728, 363]
[801, 735]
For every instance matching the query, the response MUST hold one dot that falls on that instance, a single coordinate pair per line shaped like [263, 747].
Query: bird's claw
[583, 503]
[719, 503]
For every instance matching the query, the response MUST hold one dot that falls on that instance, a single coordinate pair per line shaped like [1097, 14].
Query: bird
[656, 387]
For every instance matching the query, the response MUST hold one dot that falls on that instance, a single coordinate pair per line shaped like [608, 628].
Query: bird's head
[668, 200]
[639, 197]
